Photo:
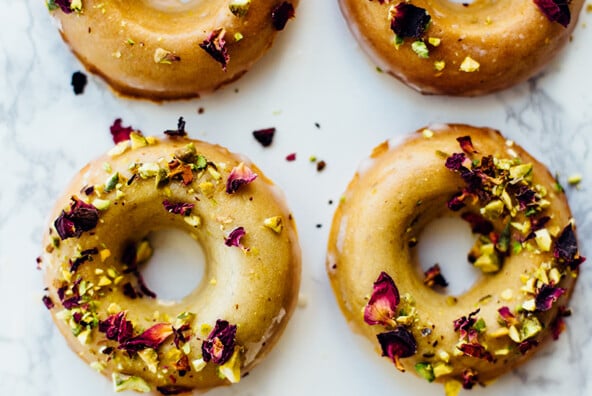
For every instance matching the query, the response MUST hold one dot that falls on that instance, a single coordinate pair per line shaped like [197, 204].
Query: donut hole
[177, 265]
[446, 241]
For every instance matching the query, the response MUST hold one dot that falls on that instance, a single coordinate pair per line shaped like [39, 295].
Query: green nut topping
[425, 371]
[123, 382]
[239, 8]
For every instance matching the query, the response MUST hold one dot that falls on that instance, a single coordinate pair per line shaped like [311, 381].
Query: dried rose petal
[173, 389]
[215, 46]
[85, 256]
[470, 377]
[396, 344]
[479, 225]
[180, 131]
[78, 82]
[151, 338]
[433, 277]
[566, 248]
[555, 10]
[455, 162]
[466, 144]
[409, 20]
[525, 197]
[465, 324]
[507, 316]
[219, 346]
[116, 327]
[71, 302]
[264, 136]
[525, 346]
[233, 239]
[291, 157]
[477, 351]
[381, 309]
[81, 217]
[48, 302]
[558, 324]
[239, 176]
[119, 132]
[281, 14]
[546, 297]
[180, 208]
[63, 4]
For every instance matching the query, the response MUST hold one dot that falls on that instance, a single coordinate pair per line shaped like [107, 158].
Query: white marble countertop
[314, 74]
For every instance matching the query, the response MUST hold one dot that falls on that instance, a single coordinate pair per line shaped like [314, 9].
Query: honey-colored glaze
[389, 202]
[511, 40]
[256, 290]
[117, 40]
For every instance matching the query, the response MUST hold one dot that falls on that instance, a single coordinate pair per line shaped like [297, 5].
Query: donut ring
[441, 47]
[168, 49]
[95, 292]
[529, 263]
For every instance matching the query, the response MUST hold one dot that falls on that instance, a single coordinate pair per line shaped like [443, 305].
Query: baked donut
[443, 47]
[526, 249]
[97, 239]
[170, 49]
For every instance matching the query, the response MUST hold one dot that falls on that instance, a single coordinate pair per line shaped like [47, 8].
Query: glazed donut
[96, 240]
[170, 49]
[526, 249]
[443, 47]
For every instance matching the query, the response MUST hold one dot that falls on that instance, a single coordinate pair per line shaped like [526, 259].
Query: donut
[169, 49]
[526, 252]
[469, 49]
[96, 242]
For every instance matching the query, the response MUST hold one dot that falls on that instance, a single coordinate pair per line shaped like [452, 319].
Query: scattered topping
[48, 302]
[215, 46]
[396, 344]
[566, 248]
[219, 346]
[476, 351]
[555, 10]
[425, 371]
[239, 176]
[165, 57]
[124, 382]
[81, 217]
[234, 237]
[433, 277]
[547, 296]
[180, 208]
[381, 308]
[239, 8]
[180, 131]
[408, 20]
[78, 82]
[281, 14]
[151, 338]
[469, 65]
[470, 377]
[264, 136]
[321, 165]
[231, 369]
[291, 157]
[116, 327]
[119, 132]
[421, 49]
[466, 144]
[439, 65]
[274, 223]
[173, 389]
[574, 179]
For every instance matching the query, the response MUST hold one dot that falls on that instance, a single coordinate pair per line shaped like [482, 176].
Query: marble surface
[314, 74]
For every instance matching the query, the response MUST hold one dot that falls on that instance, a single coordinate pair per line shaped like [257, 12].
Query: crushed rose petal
[219, 346]
[281, 14]
[48, 302]
[180, 208]
[566, 248]
[239, 176]
[151, 338]
[555, 10]
[409, 20]
[396, 344]
[116, 327]
[78, 82]
[477, 351]
[234, 238]
[507, 316]
[466, 144]
[85, 255]
[179, 132]
[215, 46]
[264, 136]
[173, 389]
[433, 277]
[546, 297]
[465, 324]
[119, 132]
[381, 308]
[527, 345]
[81, 217]
[470, 377]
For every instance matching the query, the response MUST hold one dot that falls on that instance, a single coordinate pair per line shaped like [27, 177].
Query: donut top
[510, 213]
[96, 290]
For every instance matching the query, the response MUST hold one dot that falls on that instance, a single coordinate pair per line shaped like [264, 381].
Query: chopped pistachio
[274, 223]
[502, 352]
[435, 41]
[198, 364]
[215, 174]
[207, 188]
[396, 42]
[543, 239]
[427, 133]
[149, 169]
[441, 369]
[554, 276]
[469, 65]
[239, 8]
[129, 41]
[76, 5]
[104, 281]
[111, 182]
[425, 371]
[452, 388]
[231, 369]
[439, 65]
[444, 356]
[530, 328]
[421, 49]
[507, 294]
[119, 148]
[138, 140]
[150, 358]
[84, 336]
[574, 179]
[193, 221]
[238, 36]
[97, 366]
[493, 209]
[123, 382]
[502, 331]
[514, 335]
[165, 57]
[113, 308]
[520, 171]
[529, 305]
[101, 204]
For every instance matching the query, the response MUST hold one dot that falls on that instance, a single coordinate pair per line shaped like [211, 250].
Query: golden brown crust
[510, 40]
[119, 40]
[391, 198]
[253, 286]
